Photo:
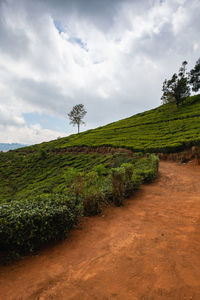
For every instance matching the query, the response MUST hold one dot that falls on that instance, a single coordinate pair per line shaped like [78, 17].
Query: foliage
[28, 225]
[195, 76]
[147, 168]
[77, 114]
[128, 167]
[118, 180]
[177, 88]
[144, 132]
[27, 175]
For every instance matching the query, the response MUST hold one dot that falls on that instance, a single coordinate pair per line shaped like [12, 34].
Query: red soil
[148, 249]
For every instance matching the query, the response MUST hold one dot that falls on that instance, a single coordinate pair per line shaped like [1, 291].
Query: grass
[28, 175]
[163, 129]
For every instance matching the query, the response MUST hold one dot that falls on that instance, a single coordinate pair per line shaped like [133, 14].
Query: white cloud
[28, 135]
[111, 56]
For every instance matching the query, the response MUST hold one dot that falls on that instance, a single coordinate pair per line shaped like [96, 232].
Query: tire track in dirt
[147, 249]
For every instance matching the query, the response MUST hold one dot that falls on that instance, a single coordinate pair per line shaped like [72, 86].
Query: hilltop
[163, 129]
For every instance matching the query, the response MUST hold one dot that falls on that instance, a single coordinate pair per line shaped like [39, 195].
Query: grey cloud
[13, 41]
[43, 95]
[139, 83]
[100, 13]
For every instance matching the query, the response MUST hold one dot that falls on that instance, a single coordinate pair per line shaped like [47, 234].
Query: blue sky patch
[58, 26]
[78, 41]
[47, 121]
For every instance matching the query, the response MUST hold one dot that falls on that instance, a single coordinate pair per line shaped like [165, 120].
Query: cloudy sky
[110, 55]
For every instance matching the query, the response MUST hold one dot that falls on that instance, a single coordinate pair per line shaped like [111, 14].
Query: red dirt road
[148, 249]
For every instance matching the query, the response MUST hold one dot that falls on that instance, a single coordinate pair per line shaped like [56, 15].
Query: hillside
[41, 169]
[163, 129]
[46, 188]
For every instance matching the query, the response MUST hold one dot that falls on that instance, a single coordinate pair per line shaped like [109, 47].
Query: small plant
[92, 194]
[128, 167]
[118, 179]
[101, 170]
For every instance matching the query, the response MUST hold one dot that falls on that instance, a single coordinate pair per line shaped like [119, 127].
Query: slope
[163, 129]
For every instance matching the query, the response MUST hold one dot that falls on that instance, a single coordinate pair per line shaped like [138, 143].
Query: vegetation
[27, 175]
[176, 89]
[195, 76]
[163, 129]
[33, 220]
[77, 114]
[45, 189]
[27, 225]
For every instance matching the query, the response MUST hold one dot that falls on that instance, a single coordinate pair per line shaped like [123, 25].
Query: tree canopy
[76, 115]
[195, 76]
[177, 88]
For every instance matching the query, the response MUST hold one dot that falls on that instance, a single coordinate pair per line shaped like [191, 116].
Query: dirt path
[148, 249]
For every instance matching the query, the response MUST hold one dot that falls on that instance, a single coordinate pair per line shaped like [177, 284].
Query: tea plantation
[46, 188]
[163, 129]
[44, 194]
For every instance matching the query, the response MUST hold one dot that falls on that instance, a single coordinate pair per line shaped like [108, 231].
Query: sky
[110, 55]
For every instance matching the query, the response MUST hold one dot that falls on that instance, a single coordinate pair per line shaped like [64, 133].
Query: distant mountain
[6, 147]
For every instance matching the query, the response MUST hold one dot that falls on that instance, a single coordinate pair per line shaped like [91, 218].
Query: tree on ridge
[177, 88]
[76, 115]
[195, 76]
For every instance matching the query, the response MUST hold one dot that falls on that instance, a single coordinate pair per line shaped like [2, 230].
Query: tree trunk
[78, 128]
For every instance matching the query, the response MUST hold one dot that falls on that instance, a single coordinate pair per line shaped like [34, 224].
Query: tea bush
[27, 226]
[147, 168]
[127, 178]
[118, 184]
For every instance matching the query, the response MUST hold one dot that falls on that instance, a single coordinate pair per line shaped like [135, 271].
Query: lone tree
[177, 88]
[76, 115]
[195, 76]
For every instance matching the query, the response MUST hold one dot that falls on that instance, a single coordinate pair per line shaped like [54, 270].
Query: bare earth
[148, 249]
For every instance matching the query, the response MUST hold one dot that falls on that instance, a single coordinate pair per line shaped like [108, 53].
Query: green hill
[40, 169]
[163, 129]
[45, 188]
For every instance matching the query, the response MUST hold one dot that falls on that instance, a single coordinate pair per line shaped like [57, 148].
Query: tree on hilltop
[76, 115]
[195, 76]
[176, 89]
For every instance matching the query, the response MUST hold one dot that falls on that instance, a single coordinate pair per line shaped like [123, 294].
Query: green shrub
[118, 185]
[107, 190]
[101, 170]
[119, 160]
[92, 201]
[147, 168]
[26, 226]
[92, 193]
[128, 168]
[136, 181]
[42, 154]
[74, 181]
